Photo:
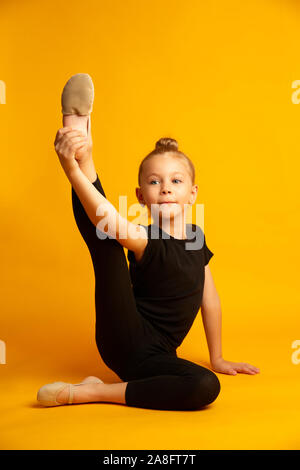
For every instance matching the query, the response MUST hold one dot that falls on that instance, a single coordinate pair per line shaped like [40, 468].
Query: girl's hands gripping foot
[83, 155]
[67, 143]
[83, 124]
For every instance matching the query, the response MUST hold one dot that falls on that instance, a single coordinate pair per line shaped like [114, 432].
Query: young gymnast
[144, 313]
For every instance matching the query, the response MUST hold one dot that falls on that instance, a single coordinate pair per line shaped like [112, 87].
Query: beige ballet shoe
[47, 394]
[92, 380]
[78, 96]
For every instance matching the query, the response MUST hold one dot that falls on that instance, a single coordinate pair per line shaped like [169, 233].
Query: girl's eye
[175, 179]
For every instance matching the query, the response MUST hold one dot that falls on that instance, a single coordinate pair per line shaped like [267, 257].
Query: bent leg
[175, 384]
[166, 382]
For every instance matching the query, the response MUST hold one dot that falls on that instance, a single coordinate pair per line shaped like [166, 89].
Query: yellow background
[216, 76]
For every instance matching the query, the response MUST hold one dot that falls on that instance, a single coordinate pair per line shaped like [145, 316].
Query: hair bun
[166, 144]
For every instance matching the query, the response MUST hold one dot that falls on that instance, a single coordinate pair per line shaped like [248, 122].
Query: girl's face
[166, 186]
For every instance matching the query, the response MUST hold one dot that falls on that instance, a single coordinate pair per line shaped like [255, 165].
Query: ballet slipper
[92, 380]
[78, 96]
[47, 393]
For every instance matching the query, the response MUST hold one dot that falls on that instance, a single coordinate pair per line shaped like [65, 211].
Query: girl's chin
[169, 210]
[167, 215]
[169, 206]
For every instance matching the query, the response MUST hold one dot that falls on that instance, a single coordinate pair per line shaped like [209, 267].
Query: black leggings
[129, 344]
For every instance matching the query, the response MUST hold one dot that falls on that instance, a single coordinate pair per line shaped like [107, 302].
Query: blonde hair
[163, 145]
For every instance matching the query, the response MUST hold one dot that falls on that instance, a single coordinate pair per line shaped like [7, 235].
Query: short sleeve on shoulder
[207, 253]
[147, 255]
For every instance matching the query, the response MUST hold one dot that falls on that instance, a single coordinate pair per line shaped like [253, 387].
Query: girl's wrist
[88, 169]
[215, 360]
[71, 171]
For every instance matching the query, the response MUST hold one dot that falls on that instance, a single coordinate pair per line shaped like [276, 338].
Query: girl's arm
[212, 316]
[212, 322]
[97, 207]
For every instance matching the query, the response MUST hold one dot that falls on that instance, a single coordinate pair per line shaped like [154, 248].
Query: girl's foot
[82, 393]
[77, 122]
[77, 104]
[77, 100]
[83, 155]
[92, 379]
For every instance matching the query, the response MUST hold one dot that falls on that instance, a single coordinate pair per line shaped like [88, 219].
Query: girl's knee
[206, 389]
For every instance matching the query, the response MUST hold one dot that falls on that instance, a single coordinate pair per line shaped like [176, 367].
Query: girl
[142, 315]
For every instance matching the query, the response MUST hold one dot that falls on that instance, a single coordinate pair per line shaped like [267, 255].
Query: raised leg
[119, 326]
[84, 155]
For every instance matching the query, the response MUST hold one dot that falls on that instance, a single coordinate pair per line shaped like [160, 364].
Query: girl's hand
[84, 154]
[232, 368]
[67, 143]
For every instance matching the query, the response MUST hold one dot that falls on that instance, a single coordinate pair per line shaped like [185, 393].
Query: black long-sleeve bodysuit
[144, 313]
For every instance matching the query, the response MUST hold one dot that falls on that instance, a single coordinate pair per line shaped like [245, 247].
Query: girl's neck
[175, 230]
